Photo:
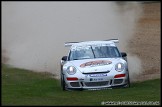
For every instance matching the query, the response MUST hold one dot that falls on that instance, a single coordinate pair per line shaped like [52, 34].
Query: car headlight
[119, 67]
[71, 70]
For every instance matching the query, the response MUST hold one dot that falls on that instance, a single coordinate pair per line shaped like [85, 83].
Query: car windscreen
[90, 52]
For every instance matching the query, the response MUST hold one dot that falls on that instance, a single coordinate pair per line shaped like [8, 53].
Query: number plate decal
[97, 75]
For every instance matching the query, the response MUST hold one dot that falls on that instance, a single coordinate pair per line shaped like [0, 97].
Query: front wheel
[63, 82]
[128, 81]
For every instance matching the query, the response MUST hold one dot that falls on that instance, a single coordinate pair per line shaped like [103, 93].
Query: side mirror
[123, 54]
[64, 58]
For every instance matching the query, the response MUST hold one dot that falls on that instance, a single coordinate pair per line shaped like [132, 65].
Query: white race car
[94, 65]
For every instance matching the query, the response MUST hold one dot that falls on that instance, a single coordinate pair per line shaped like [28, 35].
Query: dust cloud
[34, 33]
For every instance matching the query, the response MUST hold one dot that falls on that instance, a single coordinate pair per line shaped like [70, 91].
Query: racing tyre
[63, 83]
[128, 81]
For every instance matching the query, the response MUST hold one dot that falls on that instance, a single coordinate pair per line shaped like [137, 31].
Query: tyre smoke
[34, 33]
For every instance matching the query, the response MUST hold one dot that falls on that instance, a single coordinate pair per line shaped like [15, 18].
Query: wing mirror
[124, 55]
[64, 58]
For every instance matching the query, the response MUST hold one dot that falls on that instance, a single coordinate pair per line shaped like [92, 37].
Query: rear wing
[113, 40]
[67, 44]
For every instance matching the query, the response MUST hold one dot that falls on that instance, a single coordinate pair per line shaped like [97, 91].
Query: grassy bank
[23, 87]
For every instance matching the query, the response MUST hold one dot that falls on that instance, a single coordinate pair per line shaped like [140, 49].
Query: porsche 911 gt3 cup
[94, 65]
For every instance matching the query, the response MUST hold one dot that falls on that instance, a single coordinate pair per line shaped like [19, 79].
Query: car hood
[95, 65]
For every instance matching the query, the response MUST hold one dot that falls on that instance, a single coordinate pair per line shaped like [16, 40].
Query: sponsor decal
[96, 63]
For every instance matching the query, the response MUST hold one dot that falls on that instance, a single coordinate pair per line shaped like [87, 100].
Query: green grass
[23, 87]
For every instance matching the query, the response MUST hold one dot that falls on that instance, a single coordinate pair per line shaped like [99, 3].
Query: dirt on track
[146, 41]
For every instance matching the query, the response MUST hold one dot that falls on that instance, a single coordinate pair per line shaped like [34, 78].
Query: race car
[94, 65]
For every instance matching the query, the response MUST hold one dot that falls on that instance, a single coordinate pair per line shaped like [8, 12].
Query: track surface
[146, 41]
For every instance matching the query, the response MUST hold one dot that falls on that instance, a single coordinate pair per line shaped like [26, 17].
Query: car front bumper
[91, 82]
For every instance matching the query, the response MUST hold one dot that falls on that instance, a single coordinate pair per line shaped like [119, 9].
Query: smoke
[34, 33]
[134, 66]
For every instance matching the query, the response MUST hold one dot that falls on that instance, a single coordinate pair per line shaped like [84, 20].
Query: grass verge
[24, 87]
